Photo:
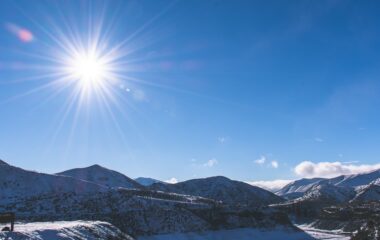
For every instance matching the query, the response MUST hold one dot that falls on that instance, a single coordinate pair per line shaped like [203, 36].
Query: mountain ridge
[223, 189]
[102, 176]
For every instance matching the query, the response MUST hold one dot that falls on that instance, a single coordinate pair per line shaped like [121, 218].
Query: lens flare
[90, 70]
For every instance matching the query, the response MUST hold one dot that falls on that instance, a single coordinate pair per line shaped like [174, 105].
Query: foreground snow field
[64, 230]
[83, 230]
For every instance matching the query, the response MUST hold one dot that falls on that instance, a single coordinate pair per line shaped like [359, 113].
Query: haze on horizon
[252, 90]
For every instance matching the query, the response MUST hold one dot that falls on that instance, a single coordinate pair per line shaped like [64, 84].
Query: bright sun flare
[89, 69]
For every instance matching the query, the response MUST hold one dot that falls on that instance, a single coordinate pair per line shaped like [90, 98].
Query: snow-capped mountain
[16, 183]
[145, 181]
[355, 180]
[368, 194]
[102, 176]
[328, 193]
[298, 188]
[320, 194]
[316, 198]
[222, 189]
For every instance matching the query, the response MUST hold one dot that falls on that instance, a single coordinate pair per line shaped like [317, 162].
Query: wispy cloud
[273, 185]
[172, 180]
[274, 164]
[211, 163]
[261, 160]
[331, 169]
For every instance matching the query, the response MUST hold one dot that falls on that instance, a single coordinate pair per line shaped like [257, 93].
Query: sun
[89, 70]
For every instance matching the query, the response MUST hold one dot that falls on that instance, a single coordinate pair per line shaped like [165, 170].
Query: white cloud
[331, 169]
[222, 139]
[211, 163]
[274, 164]
[261, 160]
[270, 185]
[172, 180]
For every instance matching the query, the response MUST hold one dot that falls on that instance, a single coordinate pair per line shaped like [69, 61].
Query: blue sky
[246, 89]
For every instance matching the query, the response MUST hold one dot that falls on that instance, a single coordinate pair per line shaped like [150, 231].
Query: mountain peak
[103, 176]
[220, 178]
[96, 166]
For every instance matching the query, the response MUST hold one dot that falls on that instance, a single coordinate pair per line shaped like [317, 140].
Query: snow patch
[64, 230]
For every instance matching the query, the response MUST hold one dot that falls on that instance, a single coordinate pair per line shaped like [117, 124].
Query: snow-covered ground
[324, 234]
[96, 230]
[241, 234]
[64, 231]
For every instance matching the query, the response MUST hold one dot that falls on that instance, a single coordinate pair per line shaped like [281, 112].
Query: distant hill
[222, 189]
[102, 176]
[18, 183]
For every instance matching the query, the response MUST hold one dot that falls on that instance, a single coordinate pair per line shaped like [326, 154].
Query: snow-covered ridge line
[358, 182]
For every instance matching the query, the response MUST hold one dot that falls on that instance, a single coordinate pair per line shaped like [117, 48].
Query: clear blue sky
[205, 87]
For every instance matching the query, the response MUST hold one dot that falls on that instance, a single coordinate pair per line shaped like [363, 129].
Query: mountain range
[97, 193]
[145, 206]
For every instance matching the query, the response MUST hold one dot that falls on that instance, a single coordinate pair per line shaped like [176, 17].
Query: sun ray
[83, 59]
